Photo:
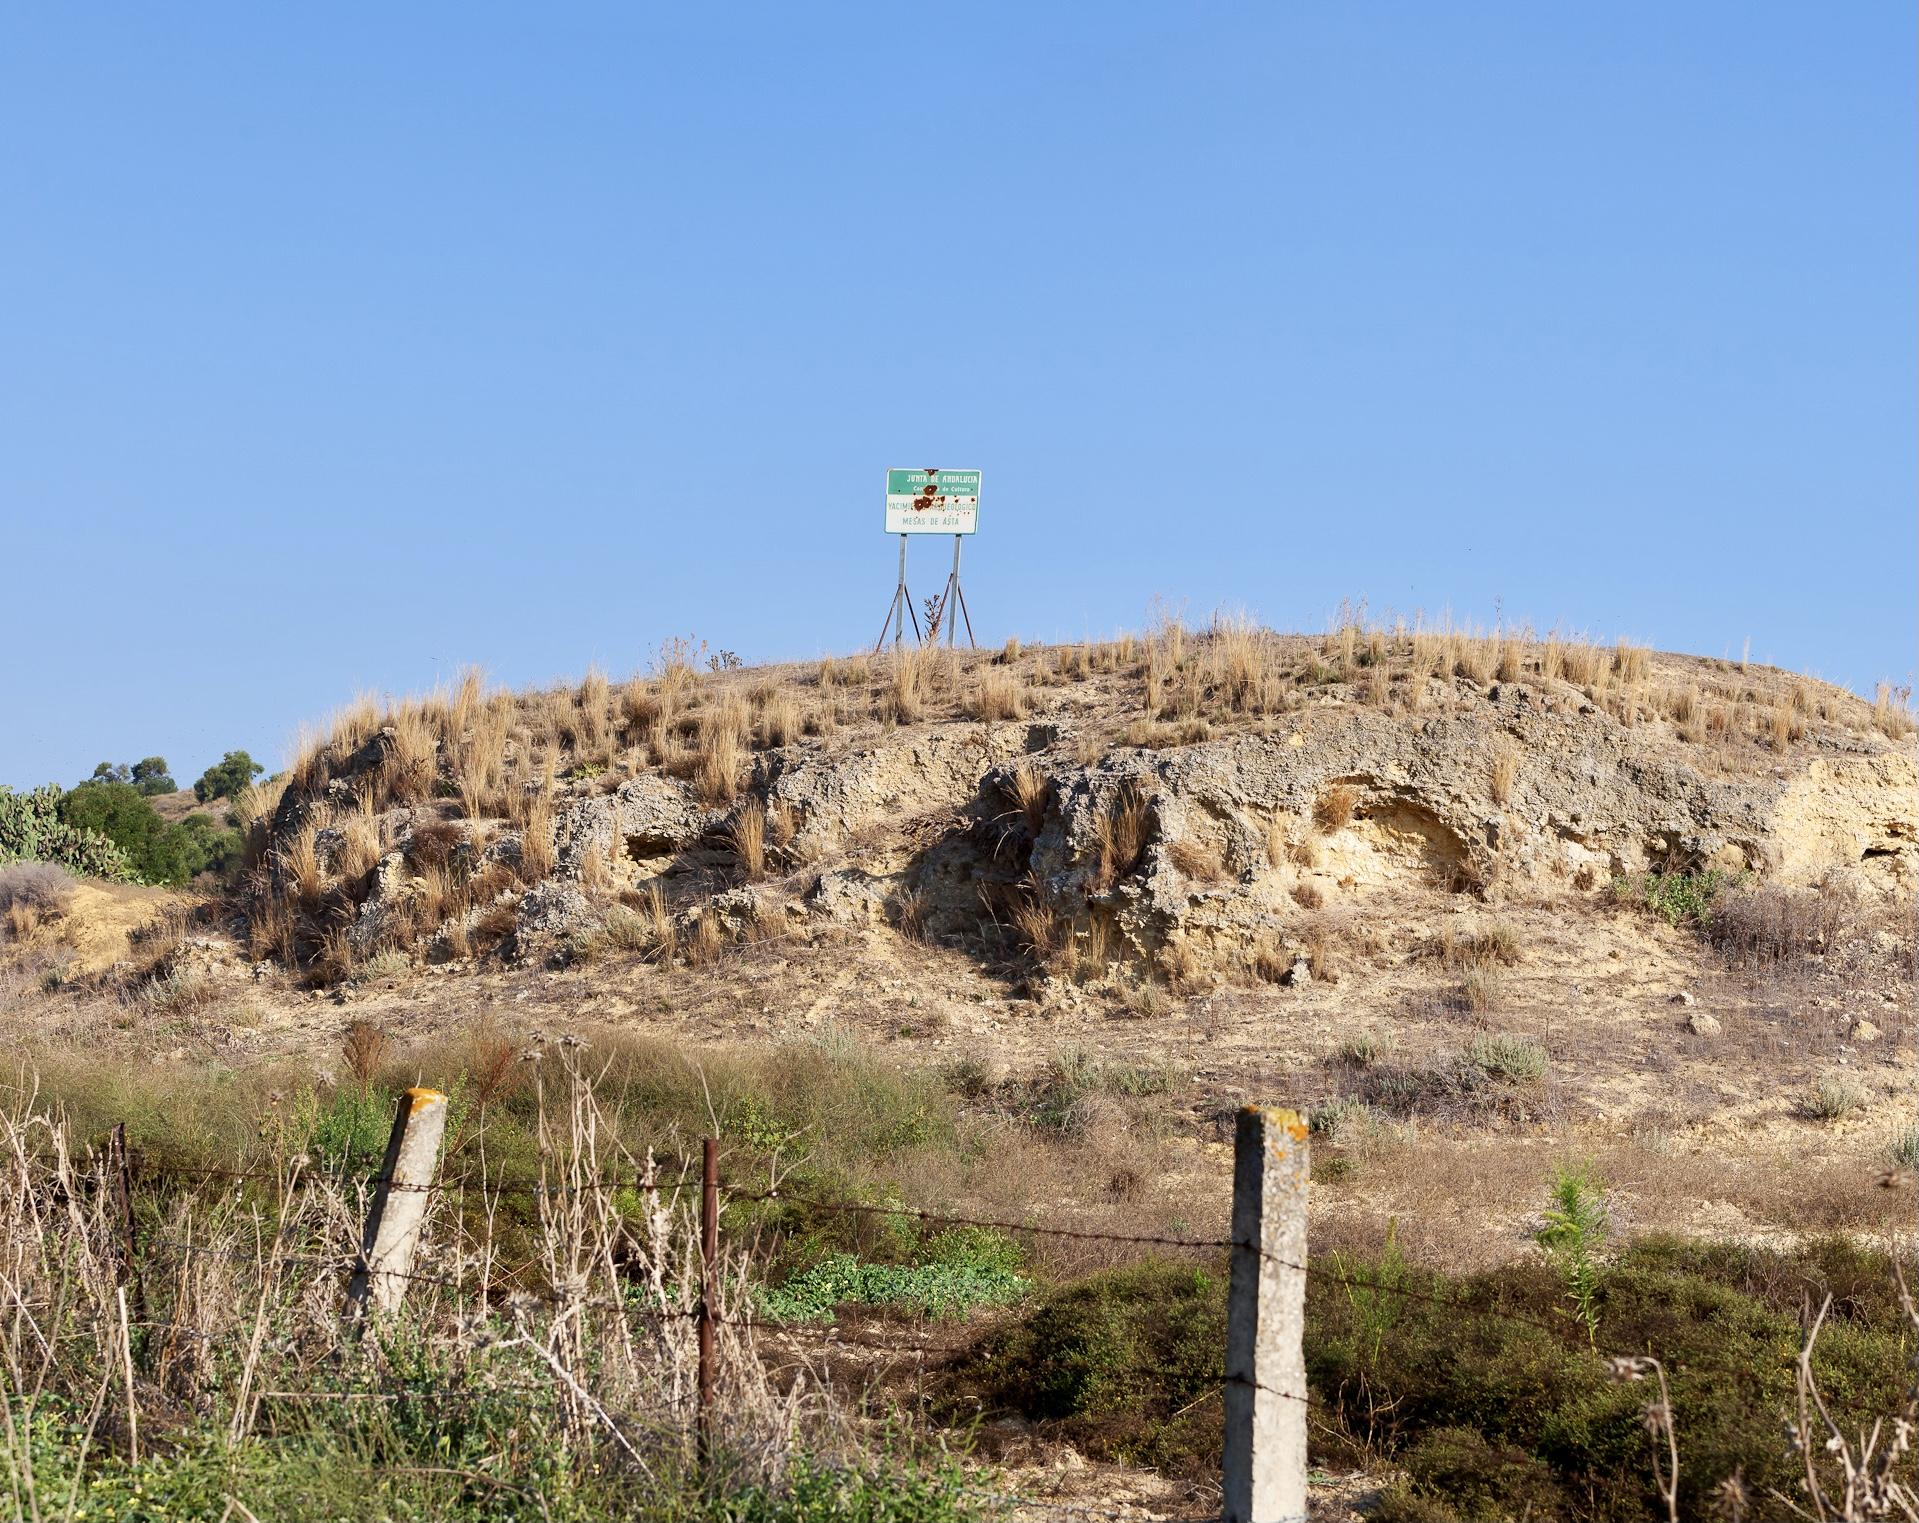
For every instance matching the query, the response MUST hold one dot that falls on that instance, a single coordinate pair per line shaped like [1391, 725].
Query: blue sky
[344, 345]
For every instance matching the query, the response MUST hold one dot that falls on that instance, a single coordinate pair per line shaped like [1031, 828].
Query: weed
[1574, 1232]
[1903, 1150]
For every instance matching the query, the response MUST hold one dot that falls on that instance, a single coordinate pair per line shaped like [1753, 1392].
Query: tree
[225, 779]
[110, 772]
[151, 776]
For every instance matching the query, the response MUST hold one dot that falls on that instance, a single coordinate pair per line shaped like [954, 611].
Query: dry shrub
[782, 825]
[1321, 944]
[1481, 989]
[1031, 789]
[1303, 852]
[410, 761]
[1477, 946]
[39, 890]
[1010, 652]
[1196, 860]
[1769, 926]
[361, 845]
[999, 694]
[904, 699]
[1505, 769]
[1042, 933]
[363, 1049]
[1333, 809]
[433, 844]
[1277, 831]
[1308, 896]
[746, 835]
[1630, 663]
[1120, 834]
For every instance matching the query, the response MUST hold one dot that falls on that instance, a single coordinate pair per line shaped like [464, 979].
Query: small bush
[41, 887]
[1121, 1364]
[1904, 1148]
[1199, 862]
[1518, 1060]
[1831, 1097]
[1364, 1050]
[1677, 898]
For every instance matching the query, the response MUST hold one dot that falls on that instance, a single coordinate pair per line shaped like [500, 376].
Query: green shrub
[953, 1273]
[1904, 1148]
[227, 778]
[1478, 1387]
[158, 852]
[1125, 1364]
[31, 829]
[350, 1127]
[1518, 1060]
[1677, 898]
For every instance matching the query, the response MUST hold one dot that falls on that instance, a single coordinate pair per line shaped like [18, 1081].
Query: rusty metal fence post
[120, 1170]
[1264, 1465]
[392, 1233]
[709, 1289]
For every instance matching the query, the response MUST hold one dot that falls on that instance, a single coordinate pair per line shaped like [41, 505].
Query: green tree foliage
[32, 829]
[227, 777]
[152, 776]
[157, 851]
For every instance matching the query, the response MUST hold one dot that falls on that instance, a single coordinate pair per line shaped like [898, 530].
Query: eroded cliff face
[954, 824]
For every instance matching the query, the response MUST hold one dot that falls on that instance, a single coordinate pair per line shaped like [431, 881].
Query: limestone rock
[1699, 1023]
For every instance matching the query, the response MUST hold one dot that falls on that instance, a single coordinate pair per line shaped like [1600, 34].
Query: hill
[1485, 908]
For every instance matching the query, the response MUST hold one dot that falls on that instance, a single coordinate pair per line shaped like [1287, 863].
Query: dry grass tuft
[1505, 769]
[1308, 896]
[1196, 860]
[747, 837]
[999, 694]
[536, 838]
[1333, 809]
[1120, 834]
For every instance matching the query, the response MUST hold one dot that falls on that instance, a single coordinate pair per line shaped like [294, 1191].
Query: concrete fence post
[392, 1233]
[1264, 1467]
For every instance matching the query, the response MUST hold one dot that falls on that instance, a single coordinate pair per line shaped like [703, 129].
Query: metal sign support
[955, 598]
[901, 608]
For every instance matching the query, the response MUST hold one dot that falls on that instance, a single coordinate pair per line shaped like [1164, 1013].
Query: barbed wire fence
[1262, 1385]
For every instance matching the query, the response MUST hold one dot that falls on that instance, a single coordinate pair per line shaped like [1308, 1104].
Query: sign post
[931, 502]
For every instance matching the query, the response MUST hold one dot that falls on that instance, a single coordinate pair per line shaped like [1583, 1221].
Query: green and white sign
[932, 502]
